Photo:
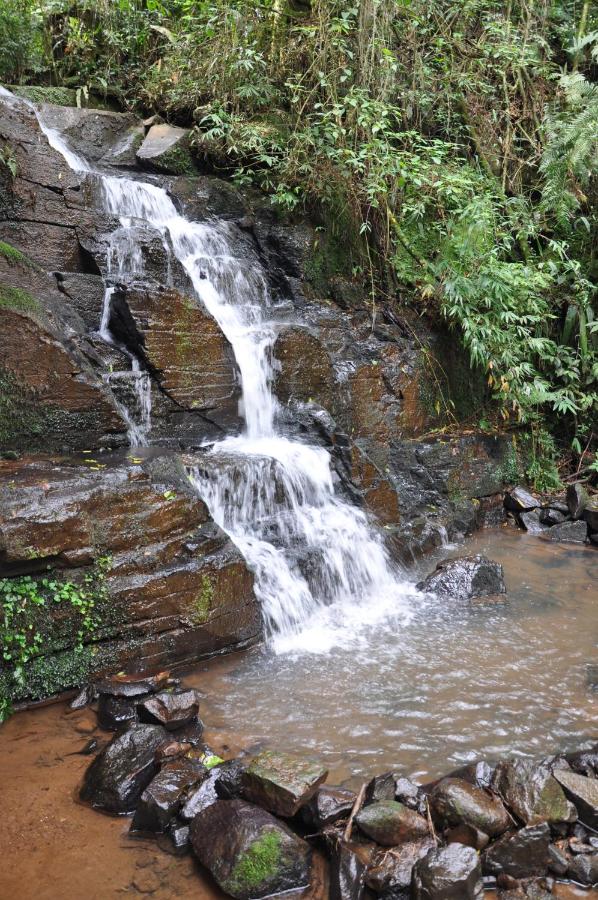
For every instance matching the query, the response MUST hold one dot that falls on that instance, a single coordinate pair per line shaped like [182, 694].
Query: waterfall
[321, 567]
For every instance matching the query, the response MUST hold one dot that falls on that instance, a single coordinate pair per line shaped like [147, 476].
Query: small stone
[282, 783]
[455, 802]
[550, 516]
[85, 696]
[327, 806]
[519, 500]
[201, 796]
[531, 521]
[577, 500]
[381, 787]
[584, 762]
[408, 792]
[558, 860]
[132, 685]
[248, 852]
[389, 822]
[115, 712]
[584, 868]
[86, 724]
[162, 798]
[230, 778]
[173, 710]
[448, 873]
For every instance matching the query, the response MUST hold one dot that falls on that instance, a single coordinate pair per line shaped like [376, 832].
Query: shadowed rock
[391, 871]
[577, 500]
[389, 822]
[449, 873]
[521, 854]
[162, 798]
[328, 805]
[568, 532]
[590, 513]
[248, 852]
[465, 578]
[114, 712]
[532, 793]
[120, 773]
[584, 868]
[583, 792]
[520, 500]
[282, 783]
[348, 867]
[166, 149]
[455, 802]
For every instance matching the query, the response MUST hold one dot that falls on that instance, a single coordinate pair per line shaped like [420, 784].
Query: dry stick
[430, 822]
[356, 807]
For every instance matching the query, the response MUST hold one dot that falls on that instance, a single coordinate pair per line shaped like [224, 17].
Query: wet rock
[530, 889]
[115, 712]
[584, 868]
[166, 149]
[531, 521]
[282, 783]
[519, 500]
[229, 783]
[248, 852]
[132, 686]
[120, 773]
[465, 578]
[391, 872]
[172, 710]
[348, 867]
[381, 787]
[180, 837]
[550, 516]
[567, 532]
[531, 792]
[466, 834]
[455, 802]
[409, 793]
[327, 805]
[521, 854]
[584, 762]
[388, 823]
[590, 514]
[162, 798]
[577, 500]
[583, 792]
[201, 796]
[477, 773]
[558, 860]
[449, 873]
[85, 696]
[191, 734]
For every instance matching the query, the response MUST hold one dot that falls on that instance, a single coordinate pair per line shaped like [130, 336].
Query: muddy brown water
[421, 697]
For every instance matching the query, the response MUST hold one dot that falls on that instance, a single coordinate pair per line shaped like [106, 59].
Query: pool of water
[449, 684]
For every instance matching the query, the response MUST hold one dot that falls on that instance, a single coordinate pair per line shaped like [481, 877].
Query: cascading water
[321, 568]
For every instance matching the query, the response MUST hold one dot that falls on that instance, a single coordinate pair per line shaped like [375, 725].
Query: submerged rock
[120, 773]
[583, 791]
[162, 798]
[172, 710]
[248, 852]
[389, 822]
[449, 873]
[281, 783]
[532, 793]
[521, 854]
[455, 802]
[465, 578]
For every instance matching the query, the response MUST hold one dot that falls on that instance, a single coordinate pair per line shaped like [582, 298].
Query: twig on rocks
[356, 807]
[430, 822]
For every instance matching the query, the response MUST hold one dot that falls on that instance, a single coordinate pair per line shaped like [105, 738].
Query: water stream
[320, 564]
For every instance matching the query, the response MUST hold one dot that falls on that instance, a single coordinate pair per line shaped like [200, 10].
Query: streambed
[420, 695]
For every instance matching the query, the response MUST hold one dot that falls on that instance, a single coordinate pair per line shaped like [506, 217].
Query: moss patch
[258, 864]
[14, 256]
[202, 604]
[17, 299]
[58, 96]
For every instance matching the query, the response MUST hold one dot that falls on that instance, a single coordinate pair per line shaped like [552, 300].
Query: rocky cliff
[371, 391]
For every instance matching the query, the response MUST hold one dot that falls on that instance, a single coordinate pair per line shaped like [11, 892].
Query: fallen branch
[356, 807]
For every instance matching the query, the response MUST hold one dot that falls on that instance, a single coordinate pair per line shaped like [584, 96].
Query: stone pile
[254, 822]
[573, 519]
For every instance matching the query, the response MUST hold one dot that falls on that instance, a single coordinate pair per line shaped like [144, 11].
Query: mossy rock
[57, 96]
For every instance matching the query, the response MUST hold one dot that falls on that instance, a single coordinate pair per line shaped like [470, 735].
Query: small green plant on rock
[259, 863]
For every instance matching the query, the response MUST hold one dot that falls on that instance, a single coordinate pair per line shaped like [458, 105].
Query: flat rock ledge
[254, 822]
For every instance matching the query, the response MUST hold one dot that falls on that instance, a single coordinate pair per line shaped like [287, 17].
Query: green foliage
[16, 298]
[41, 615]
[258, 863]
[20, 39]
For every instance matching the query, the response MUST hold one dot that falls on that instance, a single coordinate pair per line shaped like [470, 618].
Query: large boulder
[389, 822]
[448, 873]
[455, 802]
[532, 793]
[520, 854]
[465, 578]
[166, 149]
[282, 783]
[119, 774]
[583, 791]
[248, 852]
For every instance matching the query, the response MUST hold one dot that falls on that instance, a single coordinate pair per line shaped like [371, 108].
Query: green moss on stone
[58, 96]
[17, 299]
[258, 864]
[202, 604]
[12, 255]
[176, 161]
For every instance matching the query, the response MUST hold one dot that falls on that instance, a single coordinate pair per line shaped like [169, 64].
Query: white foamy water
[322, 572]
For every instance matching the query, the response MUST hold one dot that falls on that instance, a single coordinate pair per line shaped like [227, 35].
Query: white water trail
[322, 572]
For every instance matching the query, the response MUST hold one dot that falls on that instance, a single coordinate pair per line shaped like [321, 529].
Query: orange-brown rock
[306, 372]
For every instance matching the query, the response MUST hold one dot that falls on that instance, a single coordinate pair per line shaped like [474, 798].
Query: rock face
[121, 772]
[173, 587]
[248, 852]
[583, 792]
[454, 802]
[281, 783]
[465, 578]
[388, 823]
[449, 873]
[522, 854]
